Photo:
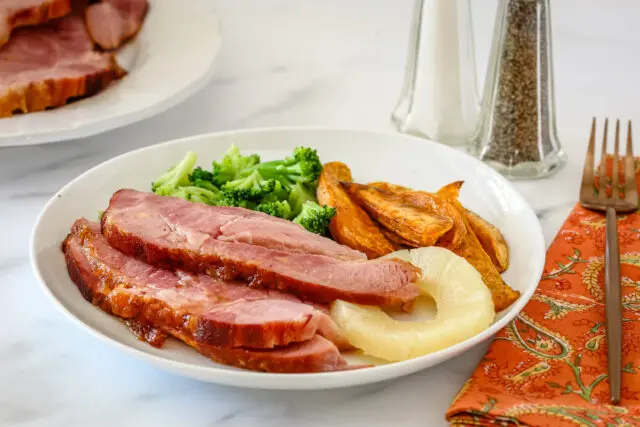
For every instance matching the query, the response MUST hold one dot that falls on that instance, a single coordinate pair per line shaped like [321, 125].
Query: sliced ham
[211, 311]
[254, 228]
[223, 321]
[316, 355]
[20, 13]
[46, 66]
[174, 233]
[112, 22]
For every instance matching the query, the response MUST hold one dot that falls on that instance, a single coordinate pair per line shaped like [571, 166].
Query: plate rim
[284, 381]
[120, 121]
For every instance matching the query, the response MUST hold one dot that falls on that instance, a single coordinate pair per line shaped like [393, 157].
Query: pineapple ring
[464, 308]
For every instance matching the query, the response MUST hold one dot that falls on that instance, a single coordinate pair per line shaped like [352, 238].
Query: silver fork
[598, 200]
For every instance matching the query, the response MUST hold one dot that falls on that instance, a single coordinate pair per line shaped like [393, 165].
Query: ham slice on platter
[20, 13]
[48, 65]
[112, 22]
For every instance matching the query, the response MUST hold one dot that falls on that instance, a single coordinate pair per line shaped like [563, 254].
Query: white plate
[372, 156]
[171, 58]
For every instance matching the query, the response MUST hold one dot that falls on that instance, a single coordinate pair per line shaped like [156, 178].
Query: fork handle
[613, 306]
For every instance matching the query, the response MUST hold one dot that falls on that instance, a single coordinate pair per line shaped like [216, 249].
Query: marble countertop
[284, 62]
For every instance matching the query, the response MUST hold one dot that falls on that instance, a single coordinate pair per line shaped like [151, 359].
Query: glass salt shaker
[439, 98]
[516, 131]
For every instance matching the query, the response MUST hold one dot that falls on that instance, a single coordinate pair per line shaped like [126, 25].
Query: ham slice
[218, 312]
[20, 13]
[46, 66]
[173, 233]
[316, 355]
[112, 22]
[227, 322]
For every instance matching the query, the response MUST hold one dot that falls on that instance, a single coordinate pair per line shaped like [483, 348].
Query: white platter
[372, 156]
[171, 58]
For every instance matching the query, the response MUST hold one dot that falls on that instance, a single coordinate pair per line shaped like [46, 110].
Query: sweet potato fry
[391, 188]
[472, 251]
[452, 238]
[351, 226]
[398, 241]
[451, 193]
[415, 224]
[491, 240]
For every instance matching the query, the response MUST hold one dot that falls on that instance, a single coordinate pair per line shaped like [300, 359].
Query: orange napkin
[549, 366]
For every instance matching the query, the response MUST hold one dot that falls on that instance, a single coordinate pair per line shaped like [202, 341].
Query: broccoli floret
[281, 188]
[207, 185]
[197, 194]
[176, 176]
[251, 189]
[299, 194]
[303, 167]
[237, 203]
[278, 194]
[315, 218]
[200, 174]
[281, 209]
[232, 165]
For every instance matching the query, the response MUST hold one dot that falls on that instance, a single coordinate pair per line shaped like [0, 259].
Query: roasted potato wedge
[351, 226]
[491, 240]
[472, 251]
[398, 241]
[420, 226]
[391, 188]
[452, 238]
[451, 193]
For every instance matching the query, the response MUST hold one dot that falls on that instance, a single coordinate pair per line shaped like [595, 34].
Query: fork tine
[615, 193]
[602, 187]
[630, 188]
[589, 163]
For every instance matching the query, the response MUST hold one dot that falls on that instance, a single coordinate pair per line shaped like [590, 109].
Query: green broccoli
[245, 191]
[197, 194]
[303, 167]
[175, 177]
[237, 203]
[207, 185]
[299, 194]
[201, 175]
[278, 194]
[315, 218]
[281, 188]
[232, 165]
[281, 209]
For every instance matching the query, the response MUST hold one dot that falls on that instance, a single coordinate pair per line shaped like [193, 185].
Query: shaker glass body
[516, 132]
[439, 97]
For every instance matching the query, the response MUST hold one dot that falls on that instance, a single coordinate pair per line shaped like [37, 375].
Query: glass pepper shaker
[516, 131]
[439, 98]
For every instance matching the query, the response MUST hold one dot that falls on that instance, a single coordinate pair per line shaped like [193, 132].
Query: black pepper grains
[516, 133]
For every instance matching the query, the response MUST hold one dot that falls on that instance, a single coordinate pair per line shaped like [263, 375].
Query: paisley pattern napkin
[549, 366]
